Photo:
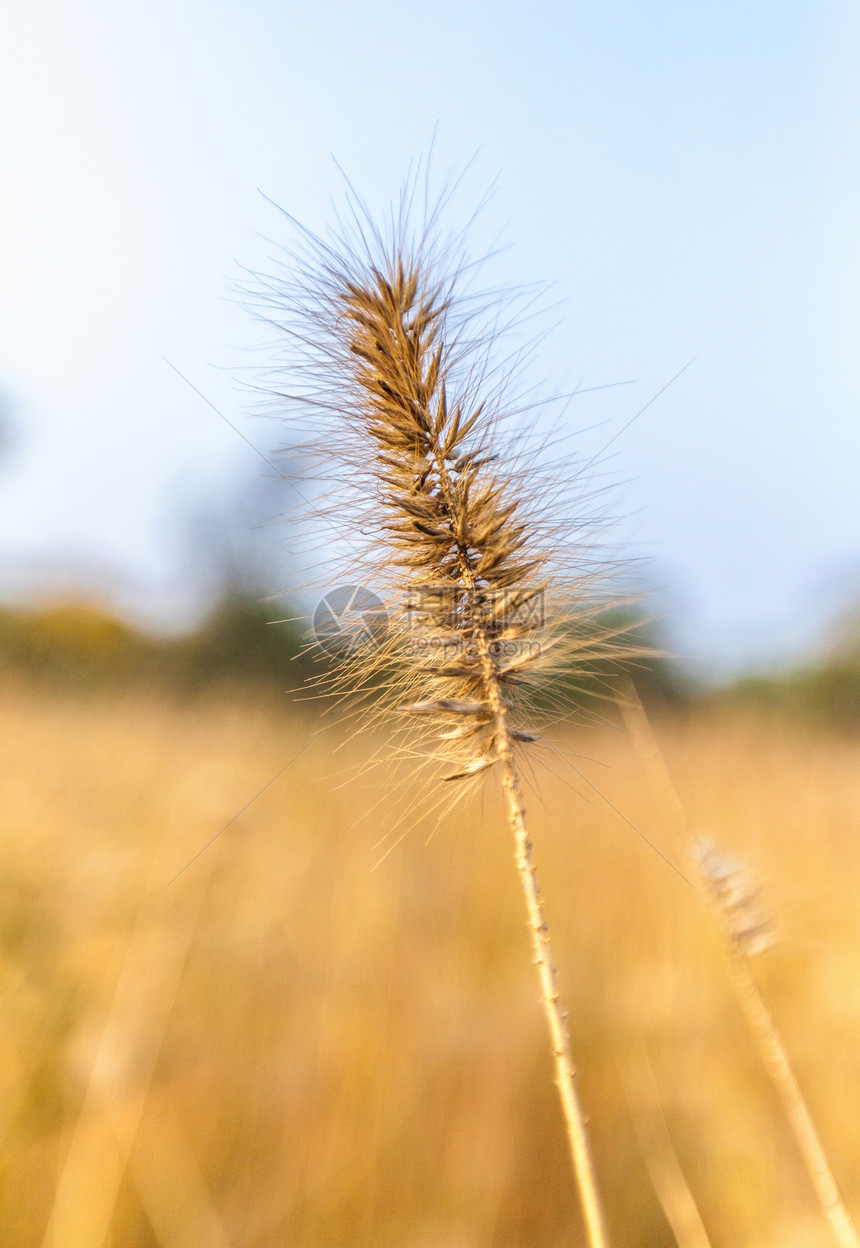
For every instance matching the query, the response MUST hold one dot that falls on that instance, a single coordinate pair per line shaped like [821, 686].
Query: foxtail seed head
[482, 559]
[737, 894]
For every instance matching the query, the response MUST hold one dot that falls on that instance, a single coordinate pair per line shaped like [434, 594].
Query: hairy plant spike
[462, 536]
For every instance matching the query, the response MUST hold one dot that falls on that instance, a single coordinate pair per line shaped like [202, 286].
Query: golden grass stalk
[461, 549]
[658, 1152]
[744, 929]
[102, 1145]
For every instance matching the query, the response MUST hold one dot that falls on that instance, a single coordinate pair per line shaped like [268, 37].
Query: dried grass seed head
[488, 576]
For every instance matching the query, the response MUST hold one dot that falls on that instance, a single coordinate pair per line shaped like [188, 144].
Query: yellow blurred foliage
[291, 1040]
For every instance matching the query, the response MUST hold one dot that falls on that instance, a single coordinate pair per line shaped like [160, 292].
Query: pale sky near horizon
[687, 176]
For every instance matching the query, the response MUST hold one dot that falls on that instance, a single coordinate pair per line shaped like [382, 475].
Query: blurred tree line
[234, 553]
[80, 646]
[823, 692]
[244, 641]
[230, 555]
[251, 643]
[250, 639]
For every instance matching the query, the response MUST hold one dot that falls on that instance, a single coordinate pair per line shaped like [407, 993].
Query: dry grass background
[288, 1047]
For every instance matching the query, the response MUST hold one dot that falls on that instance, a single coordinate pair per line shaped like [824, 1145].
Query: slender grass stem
[752, 1004]
[565, 1072]
[779, 1070]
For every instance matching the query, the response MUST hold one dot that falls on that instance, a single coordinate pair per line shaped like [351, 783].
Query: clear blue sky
[688, 176]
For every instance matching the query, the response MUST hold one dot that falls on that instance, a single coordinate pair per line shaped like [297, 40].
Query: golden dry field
[293, 1044]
